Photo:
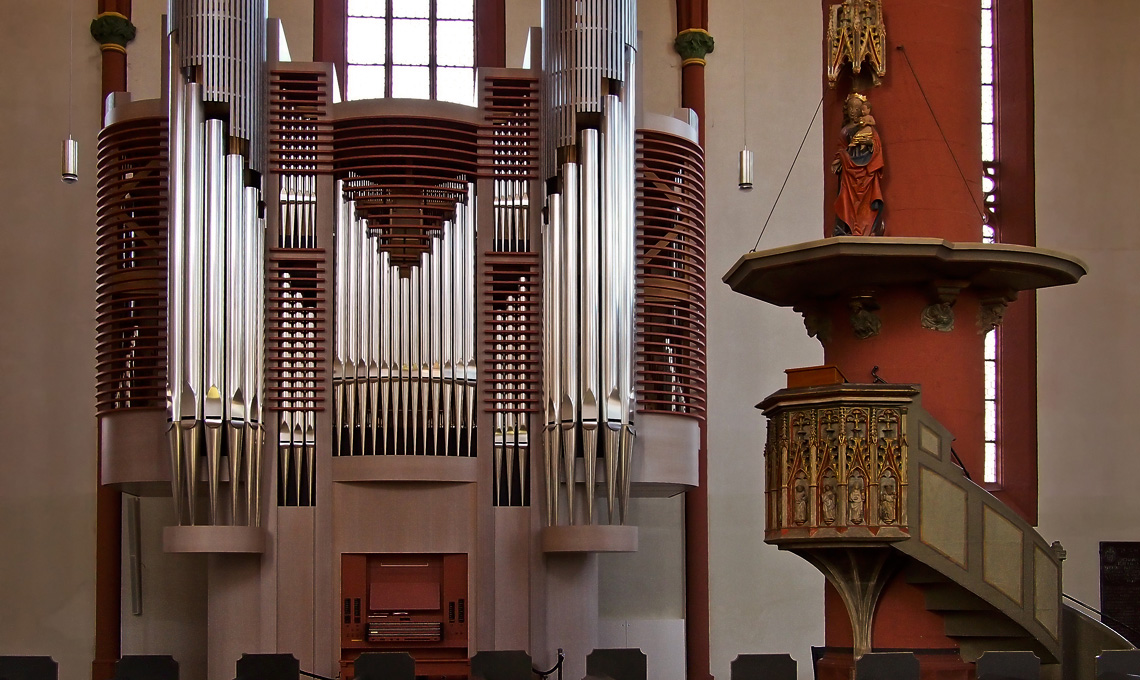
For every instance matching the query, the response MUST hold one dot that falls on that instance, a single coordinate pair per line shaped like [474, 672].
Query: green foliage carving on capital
[693, 43]
[112, 29]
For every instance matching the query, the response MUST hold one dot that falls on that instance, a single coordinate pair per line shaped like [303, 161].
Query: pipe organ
[590, 62]
[343, 332]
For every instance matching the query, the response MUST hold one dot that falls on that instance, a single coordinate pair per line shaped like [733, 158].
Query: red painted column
[108, 501]
[925, 196]
[924, 192]
[931, 189]
[693, 15]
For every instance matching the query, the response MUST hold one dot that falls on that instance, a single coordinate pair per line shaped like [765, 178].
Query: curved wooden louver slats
[671, 361]
[131, 266]
[296, 329]
[300, 132]
[406, 175]
[512, 323]
[511, 133]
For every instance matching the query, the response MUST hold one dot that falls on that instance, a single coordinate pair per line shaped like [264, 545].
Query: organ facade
[401, 365]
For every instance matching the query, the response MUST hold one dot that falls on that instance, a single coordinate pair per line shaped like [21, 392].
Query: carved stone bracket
[864, 319]
[816, 323]
[938, 317]
[992, 311]
[939, 314]
[859, 575]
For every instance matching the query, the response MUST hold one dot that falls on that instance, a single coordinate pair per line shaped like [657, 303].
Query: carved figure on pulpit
[827, 501]
[859, 164]
[799, 500]
[888, 498]
[856, 501]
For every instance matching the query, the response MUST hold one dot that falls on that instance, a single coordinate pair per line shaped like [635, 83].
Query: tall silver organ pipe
[404, 373]
[217, 125]
[588, 159]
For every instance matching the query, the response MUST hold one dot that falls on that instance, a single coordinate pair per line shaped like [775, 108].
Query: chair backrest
[763, 667]
[149, 667]
[502, 665]
[268, 667]
[1118, 664]
[1009, 666]
[887, 666]
[619, 664]
[384, 666]
[28, 668]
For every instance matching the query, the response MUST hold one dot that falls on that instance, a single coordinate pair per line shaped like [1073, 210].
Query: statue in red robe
[859, 164]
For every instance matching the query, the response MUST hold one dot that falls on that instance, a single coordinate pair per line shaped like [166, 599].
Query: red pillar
[693, 15]
[108, 501]
[925, 196]
[932, 189]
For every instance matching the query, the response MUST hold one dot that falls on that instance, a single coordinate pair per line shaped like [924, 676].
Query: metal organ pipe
[405, 369]
[590, 64]
[215, 255]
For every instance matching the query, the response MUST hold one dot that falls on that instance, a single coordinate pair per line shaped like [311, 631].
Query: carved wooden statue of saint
[859, 164]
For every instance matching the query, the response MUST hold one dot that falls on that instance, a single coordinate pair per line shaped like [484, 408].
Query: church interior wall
[762, 600]
[1087, 175]
[47, 347]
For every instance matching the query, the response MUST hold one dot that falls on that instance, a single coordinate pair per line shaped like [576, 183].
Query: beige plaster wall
[1087, 61]
[763, 601]
[47, 339]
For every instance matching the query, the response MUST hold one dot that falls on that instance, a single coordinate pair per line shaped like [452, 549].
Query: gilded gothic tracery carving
[836, 468]
[856, 34]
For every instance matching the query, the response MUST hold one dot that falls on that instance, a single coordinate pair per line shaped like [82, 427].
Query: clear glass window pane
[991, 421]
[991, 380]
[454, 9]
[989, 235]
[410, 8]
[409, 42]
[987, 103]
[455, 43]
[410, 82]
[987, 184]
[455, 85]
[366, 41]
[365, 82]
[991, 463]
[987, 65]
[991, 346]
[367, 8]
[987, 29]
[987, 142]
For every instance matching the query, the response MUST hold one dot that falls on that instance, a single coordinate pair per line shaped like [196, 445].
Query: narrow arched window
[1008, 188]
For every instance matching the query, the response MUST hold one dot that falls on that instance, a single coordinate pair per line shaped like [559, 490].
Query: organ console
[412, 603]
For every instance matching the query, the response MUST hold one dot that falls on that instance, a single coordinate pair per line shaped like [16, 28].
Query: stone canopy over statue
[859, 164]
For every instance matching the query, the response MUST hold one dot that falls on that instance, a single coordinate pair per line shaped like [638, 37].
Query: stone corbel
[992, 310]
[939, 314]
[816, 322]
[864, 319]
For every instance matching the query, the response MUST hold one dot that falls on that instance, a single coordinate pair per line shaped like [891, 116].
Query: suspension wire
[790, 168]
[965, 182]
[744, 64]
[70, 62]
